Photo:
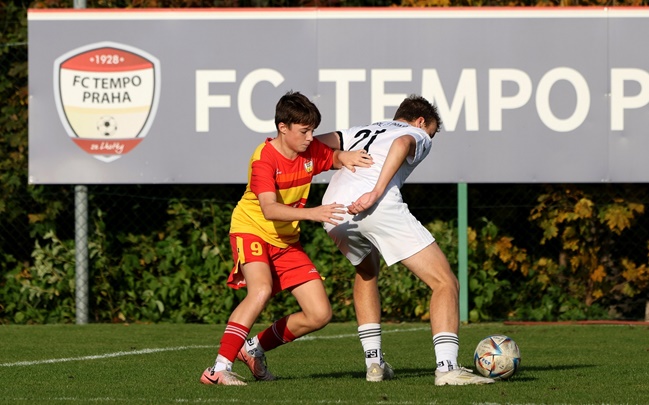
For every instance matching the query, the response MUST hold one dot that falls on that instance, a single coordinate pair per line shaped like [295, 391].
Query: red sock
[276, 335]
[232, 341]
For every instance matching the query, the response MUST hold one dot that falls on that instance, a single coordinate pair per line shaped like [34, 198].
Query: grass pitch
[161, 364]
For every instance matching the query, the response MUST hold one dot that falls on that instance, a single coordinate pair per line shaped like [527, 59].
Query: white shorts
[389, 226]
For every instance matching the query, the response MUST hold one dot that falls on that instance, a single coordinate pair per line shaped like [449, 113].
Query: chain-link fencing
[132, 211]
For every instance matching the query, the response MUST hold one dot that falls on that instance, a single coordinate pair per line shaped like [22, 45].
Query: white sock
[222, 363]
[447, 346]
[253, 347]
[370, 335]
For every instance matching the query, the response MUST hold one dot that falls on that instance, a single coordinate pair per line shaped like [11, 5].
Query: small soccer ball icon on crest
[107, 125]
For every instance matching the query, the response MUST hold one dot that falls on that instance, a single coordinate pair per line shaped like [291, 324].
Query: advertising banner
[184, 96]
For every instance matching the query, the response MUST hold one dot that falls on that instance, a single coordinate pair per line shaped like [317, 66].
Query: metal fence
[143, 210]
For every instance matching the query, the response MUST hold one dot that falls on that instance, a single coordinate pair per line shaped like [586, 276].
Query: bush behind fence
[161, 253]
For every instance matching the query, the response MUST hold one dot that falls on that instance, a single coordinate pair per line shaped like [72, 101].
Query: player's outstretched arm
[329, 213]
[399, 151]
[276, 211]
[347, 159]
[352, 159]
[331, 139]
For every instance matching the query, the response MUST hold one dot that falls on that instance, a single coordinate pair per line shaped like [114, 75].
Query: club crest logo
[107, 96]
[308, 166]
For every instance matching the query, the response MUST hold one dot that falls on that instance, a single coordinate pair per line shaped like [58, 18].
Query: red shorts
[289, 266]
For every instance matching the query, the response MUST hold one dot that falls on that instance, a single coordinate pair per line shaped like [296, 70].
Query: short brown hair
[295, 108]
[416, 106]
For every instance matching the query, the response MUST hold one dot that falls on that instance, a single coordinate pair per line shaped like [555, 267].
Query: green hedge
[177, 273]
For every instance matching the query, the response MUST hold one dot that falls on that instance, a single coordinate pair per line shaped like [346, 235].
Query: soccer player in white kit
[379, 222]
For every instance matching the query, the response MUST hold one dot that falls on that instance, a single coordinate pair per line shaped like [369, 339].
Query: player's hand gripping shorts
[389, 226]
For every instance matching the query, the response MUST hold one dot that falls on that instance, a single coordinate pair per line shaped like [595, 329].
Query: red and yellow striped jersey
[289, 179]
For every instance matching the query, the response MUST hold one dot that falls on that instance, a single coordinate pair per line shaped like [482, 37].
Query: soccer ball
[497, 357]
[107, 125]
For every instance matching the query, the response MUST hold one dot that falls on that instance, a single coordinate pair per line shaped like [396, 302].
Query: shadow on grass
[524, 374]
[557, 367]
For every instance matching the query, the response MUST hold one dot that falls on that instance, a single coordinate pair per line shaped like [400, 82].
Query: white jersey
[345, 186]
[388, 225]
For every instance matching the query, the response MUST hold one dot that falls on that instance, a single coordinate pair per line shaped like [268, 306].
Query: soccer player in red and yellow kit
[265, 232]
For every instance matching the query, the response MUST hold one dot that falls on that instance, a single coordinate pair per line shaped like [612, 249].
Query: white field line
[101, 356]
[171, 349]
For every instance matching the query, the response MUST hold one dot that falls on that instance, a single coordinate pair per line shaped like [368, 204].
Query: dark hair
[295, 108]
[416, 106]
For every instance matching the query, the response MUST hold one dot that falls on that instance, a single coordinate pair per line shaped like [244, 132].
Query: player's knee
[448, 283]
[320, 318]
[260, 295]
[448, 279]
[455, 285]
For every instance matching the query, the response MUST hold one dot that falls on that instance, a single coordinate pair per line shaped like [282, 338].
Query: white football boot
[460, 376]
